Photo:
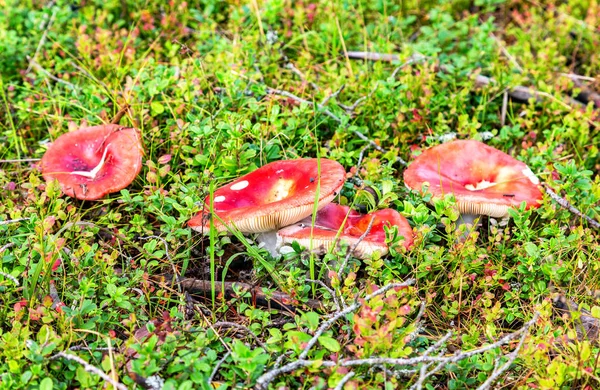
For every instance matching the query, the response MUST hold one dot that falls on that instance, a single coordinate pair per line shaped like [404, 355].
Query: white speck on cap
[531, 176]
[219, 198]
[240, 186]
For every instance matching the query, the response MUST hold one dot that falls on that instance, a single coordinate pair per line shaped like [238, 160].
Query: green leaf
[330, 343]
[157, 108]
[46, 384]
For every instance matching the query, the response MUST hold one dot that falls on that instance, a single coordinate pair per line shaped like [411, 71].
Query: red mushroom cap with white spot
[335, 224]
[275, 195]
[484, 180]
[94, 161]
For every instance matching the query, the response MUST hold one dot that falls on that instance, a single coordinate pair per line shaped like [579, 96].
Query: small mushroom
[94, 161]
[335, 224]
[483, 180]
[273, 196]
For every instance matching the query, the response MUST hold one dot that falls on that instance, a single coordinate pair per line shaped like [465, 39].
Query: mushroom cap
[275, 195]
[350, 225]
[94, 161]
[484, 180]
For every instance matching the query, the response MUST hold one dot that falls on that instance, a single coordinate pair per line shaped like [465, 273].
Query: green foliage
[97, 275]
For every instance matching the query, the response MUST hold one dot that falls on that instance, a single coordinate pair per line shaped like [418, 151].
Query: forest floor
[121, 292]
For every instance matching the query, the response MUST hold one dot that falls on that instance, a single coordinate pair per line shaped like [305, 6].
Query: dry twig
[565, 203]
[329, 290]
[274, 299]
[9, 221]
[226, 324]
[46, 27]
[89, 368]
[518, 92]
[264, 380]
[120, 114]
[20, 160]
[426, 359]
[10, 277]
[217, 366]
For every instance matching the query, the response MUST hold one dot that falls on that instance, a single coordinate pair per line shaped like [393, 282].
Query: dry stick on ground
[264, 380]
[518, 92]
[329, 289]
[46, 27]
[5, 247]
[227, 324]
[343, 381]
[426, 358]
[565, 203]
[500, 369]
[50, 75]
[119, 115]
[20, 160]
[586, 326]
[9, 221]
[217, 366]
[9, 276]
[89, 368]
[298, 73]
[275, 298]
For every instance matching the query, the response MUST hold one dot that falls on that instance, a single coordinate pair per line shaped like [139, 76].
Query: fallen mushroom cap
[275, 195]
[94, 161]
[332, 220]
[483, 179]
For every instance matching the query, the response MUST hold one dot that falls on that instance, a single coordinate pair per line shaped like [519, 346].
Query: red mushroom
[335, 224]
[94, 161]
[275, 195]
[483, 180]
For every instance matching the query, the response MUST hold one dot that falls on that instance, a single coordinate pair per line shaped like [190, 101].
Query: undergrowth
[94, 279]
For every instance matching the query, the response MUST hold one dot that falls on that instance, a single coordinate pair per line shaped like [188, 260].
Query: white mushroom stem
[270, 241]
[92, 174]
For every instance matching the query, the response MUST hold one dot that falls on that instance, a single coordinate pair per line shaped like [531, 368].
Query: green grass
[196, 76]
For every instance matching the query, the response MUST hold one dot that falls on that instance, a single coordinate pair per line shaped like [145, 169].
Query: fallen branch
[519, 92]
[217, 366]
[37, 66]
[5, 247]
[89, 368]
[587, 326]
[10, 277]
[46, 24]
[565, 204]
[274, 299]
[20, 160]
[426, 359]
[226, 324]
[264, 380]
[120, 114]
[329, 290]
[9, 221]
[343, 381]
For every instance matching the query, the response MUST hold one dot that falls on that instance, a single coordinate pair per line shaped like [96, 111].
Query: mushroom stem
[470, 221]
[92, 174]
[270, 241]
